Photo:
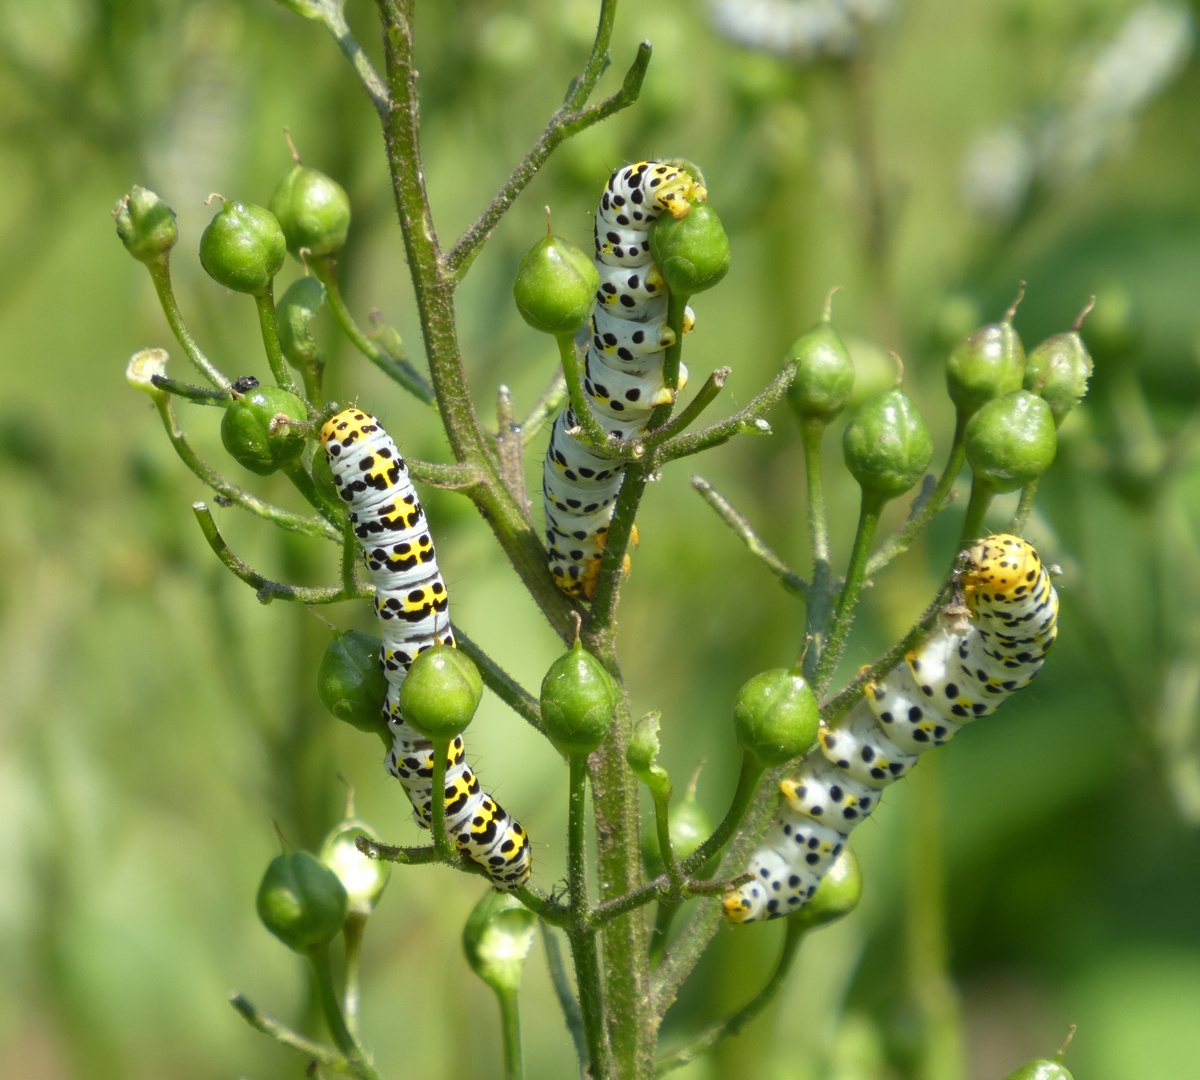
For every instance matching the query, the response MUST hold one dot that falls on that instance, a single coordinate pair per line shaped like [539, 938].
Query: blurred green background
[156, 720]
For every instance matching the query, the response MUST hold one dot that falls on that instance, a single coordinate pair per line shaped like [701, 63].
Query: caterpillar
[411, 604]
[623, 366]
[957, 675]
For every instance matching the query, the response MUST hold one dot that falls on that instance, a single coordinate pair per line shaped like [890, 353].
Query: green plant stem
[437, 803]
[332, 512]
[577, 887]
[562, 990]
[546, 405]
[546, 908]
[676, 307]
[812, 434]
[706, 395]
[352, 938]
[590, 428]
[335, 23]
[407, 856]
[399, 370]
[284, 1035]
[349, 560]
[856, 579]
[266, 589]
[160, 274]
[733, 1026]
[757, 546]
[1024, 508]
[510, 448]
[306, 526]
[591, 1003]
[743, 798]
[265, 304]
[198, 395]
[982, 494]
[331, 1007]
[666, 846]
[510, 1026]
[501, 683]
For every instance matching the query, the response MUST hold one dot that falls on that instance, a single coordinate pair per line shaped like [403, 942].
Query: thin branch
[285, 1036]
[501, 683]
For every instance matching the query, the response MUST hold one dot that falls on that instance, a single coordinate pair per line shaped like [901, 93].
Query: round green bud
[837, 895]
[441, 692]
[1058, 371]
[246, 429]
[363, 878]
[350, 683]
[825, 378]
[985, 365]
[243, 248]
[578, 702]
[556, 285]
[776, 716]
[301, 901]
[313, 211]
[690, 826]
[1041, 1070]
[887, 445]
[497, 938]
[692, 251]
[1010, 442]
[293, 316]
[145, 224]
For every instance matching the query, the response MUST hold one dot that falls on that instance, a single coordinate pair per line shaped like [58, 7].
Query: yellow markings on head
[736, 909]
[1002, 566]
[346, 427]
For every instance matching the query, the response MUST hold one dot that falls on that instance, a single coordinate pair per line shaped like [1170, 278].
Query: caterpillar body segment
[411, 604]
[623, 366]
[955, 677]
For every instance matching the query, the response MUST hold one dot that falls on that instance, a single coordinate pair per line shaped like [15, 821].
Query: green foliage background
[155, 719]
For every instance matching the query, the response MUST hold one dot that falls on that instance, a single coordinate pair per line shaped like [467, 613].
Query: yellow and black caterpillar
[411, 603]
[623, 369]
[949, 681]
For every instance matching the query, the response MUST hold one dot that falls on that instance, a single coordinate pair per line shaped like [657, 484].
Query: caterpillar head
[1003, 567]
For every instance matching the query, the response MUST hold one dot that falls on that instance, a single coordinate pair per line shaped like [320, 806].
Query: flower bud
[441, 692]
[363, 878]
[246, 429]
[301, 901]
[313, 210]
[556, 285]
[578, 702]
[1010, 442]
[243, 248]
[350, 683]
[692, 252]
[142, 368]
[1041, 1070]
[985, 365]
[837, 895]
[1058, 371]
[825, 378]
[776, 716]
[887, 445]
[293, 316]
[497, 938]
[145, 224]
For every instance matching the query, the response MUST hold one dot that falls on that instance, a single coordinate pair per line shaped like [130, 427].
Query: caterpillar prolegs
[923, 702]
[623, 367]
[411, 604]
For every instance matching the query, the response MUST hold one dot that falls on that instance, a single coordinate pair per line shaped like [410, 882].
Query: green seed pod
[294, 315]
[1010, 441]
[887, 445]
[776, 716]
[1041, 1070]
[556, 285]
[246, 429]
[1058, 371]
[301, 901]
[690, 826]
[350, 683]
[578, 702]
[363, 878]
[313, 211]
[837, 895]
[825, 378]
[145, 224]
[497, 938]
[692, 252]
[243, 248]
[441, 692]
[985, 365]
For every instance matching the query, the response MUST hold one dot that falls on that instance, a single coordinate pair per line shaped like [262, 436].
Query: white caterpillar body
[946, 683]
[411, 604]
